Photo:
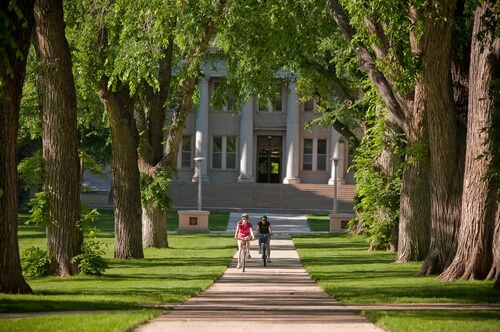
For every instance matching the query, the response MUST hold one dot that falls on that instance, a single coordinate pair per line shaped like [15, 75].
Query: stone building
[255, 145]
[258, 144]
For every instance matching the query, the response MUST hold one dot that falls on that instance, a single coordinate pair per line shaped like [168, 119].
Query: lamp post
[335, 164]
[199, 161]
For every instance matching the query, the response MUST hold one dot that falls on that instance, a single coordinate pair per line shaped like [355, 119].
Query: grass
[318, 222]
[442, 321]
[95, 322]
[342, 265]
[132, 289]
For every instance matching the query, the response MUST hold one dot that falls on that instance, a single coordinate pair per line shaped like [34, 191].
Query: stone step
[272, 197]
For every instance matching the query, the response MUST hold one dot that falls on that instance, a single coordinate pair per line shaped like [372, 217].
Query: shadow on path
[281, 294]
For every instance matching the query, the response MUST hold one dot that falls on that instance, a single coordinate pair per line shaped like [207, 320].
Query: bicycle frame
[264, 239]
[244, 252]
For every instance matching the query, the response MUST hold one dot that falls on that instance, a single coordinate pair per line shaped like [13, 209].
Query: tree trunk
[59, 136]
[19, 30]
[151, 124]
[154, 226]
[414, 217]
[495, 265]
[414, 220]
[415, 204]
[126, 183]
[473, 259]
[445, 176]
[185, 101]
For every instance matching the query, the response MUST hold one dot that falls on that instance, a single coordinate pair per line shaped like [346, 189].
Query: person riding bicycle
[264, 228]
[243, 229]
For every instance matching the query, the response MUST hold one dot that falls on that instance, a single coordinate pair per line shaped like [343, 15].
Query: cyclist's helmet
[244, 215]
[264, 217]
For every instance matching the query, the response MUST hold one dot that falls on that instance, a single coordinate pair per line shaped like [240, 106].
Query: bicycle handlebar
[248, 238]
[264, 235]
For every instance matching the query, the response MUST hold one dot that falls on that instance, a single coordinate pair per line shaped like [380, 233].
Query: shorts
[263, 238]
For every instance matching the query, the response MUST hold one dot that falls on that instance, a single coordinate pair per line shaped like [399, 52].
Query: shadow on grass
[37, 304]
[197, 263]
[32, 235]
[431, 293]
[345, 268]
[166, 275]
[351, 260]
[330, 241]
[112, 294]
[427, 320]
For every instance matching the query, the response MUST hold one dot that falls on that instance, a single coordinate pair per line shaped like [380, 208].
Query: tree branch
[396, 110]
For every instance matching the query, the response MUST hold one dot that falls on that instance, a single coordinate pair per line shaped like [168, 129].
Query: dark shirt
[263, 228]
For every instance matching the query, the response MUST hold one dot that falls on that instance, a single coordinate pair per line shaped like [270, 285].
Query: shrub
[378, 164]
[36, 262]
[91, 260]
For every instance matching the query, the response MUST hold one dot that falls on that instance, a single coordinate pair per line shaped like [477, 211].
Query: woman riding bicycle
[243, 230]
[264, 228]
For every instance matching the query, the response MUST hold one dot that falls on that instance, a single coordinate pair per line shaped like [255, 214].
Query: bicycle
[244, 251]
[263, 238]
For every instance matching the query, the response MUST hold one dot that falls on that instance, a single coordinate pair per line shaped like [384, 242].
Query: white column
[292, 137]
[337, 150]
[246, 143]
[201, 139]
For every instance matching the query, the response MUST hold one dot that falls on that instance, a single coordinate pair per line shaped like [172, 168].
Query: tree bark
[119, 107]
[415, 204]
[151, 124]
[12, 72]
[495, 266]
[57, 97]
[126, 183]
[445, 176]
[474, 258]
[154, 226]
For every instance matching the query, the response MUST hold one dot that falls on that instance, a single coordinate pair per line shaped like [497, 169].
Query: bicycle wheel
[264, 254]
[244, 258]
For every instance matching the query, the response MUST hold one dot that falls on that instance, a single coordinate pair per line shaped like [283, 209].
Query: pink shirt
[244, 230]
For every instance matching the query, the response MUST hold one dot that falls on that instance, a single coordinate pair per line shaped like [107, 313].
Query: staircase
[295, 198]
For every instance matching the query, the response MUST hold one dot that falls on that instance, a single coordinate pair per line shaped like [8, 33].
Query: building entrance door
[269, 159]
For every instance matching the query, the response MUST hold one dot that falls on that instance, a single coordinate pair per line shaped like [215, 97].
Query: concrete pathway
[279, 297]
[281, 223]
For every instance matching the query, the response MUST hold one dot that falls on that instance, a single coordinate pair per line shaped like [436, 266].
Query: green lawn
[343, 266]
[133, 291]
[131, 287]
[318, 222]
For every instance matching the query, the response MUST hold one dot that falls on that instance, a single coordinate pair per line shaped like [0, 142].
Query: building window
[185, 152]
[309, 106]
[219, 91]
[231, 152]
[224, 152]
[308, 155]
[314, 155]
[217, 152]
[264, 107]
[321, 155]
[278, 100]
[276, 104]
